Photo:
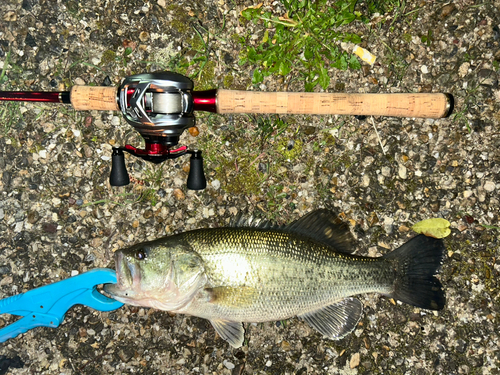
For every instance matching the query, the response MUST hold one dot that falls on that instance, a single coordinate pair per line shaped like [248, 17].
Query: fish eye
[140, 254]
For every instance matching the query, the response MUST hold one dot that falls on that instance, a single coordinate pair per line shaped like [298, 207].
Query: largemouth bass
[258, 274]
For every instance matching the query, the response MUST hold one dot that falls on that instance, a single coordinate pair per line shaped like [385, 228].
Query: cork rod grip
[397, 105]
[101, 98]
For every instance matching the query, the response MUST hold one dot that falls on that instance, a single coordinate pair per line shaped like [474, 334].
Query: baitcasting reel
[160, 107]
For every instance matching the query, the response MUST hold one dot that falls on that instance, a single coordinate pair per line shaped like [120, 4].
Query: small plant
[10, 115]
[310, 30]
[496, 65]
[428, 38]
[270, 126]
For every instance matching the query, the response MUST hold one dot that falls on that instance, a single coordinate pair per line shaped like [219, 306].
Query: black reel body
[160, 107]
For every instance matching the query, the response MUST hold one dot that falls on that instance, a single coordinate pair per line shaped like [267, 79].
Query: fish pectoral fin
[232, 332]
[337, 320]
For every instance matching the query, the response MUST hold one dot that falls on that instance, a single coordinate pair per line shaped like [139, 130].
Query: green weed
[496, 65]
[10, 115]
[311, 30]
[268, 127]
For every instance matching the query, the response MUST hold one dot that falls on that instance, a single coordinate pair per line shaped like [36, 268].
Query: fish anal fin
[232, 332]
[337, 320]
[325, 227]
[231, 296]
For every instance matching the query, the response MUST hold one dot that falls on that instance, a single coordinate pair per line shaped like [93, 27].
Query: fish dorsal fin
[240, 220]
[325, 227]
[337, 320]
[232, 332]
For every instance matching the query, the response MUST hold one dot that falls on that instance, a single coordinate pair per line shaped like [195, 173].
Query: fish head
[164, 275]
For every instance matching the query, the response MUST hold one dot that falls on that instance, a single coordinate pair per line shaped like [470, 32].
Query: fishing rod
[160, 106]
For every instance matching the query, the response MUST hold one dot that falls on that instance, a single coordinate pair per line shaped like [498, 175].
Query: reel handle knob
[119, 174]
[196, 178]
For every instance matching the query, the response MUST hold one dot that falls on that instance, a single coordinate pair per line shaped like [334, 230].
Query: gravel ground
[59, 216]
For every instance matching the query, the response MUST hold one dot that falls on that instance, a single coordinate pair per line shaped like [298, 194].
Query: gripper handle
[101, 98]
[427, 105]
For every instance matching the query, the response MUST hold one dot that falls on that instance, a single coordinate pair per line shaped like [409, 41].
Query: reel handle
[119, 174]
[196, 178]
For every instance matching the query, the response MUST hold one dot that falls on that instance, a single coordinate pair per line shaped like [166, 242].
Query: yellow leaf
[266, 37]
[437, 227]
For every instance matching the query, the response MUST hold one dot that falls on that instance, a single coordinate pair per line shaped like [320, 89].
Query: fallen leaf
[437, 227]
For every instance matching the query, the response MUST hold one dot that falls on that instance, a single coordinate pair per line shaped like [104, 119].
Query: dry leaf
[437, 227]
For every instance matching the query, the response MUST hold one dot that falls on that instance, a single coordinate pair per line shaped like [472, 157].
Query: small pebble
[366, 181]
[216, 184]
[489, 186]
[354, 362]
[179, 194]
[144, 36]
[402, 172]
[5, 269]
[228, 364]
[424, 69]
[463, 69]
[194, 131]
[115, 121]
[386, 171]
[49, 227]
[79, 81]
[285, 345]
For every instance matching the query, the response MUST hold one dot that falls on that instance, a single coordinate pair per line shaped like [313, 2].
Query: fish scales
[256, 274]
[286, 278]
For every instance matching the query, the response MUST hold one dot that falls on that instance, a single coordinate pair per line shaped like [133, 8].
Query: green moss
[236, 38]
[180, 18]
[228, 81]
[197, 44]
[288, 150]
[108, 57]
[206, 78]
[245, 180]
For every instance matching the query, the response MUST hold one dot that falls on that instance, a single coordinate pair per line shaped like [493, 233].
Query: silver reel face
[158, 105]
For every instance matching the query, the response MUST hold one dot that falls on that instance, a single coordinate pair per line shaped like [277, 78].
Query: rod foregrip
[427, 105]
[101, 98]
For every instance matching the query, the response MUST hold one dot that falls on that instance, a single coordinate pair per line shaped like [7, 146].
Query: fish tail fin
[417, 263]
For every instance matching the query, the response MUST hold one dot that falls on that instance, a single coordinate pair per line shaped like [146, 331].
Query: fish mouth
[128, 279]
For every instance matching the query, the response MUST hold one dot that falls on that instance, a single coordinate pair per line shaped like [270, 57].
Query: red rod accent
[27, 96]
[205, 101]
